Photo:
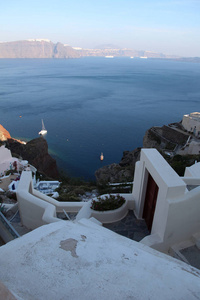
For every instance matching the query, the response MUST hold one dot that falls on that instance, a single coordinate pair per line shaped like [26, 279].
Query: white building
[191, 123]
[7, 162]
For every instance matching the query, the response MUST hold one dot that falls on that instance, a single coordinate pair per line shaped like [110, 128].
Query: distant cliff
[35, 151]
[42, 48]
[36, 49]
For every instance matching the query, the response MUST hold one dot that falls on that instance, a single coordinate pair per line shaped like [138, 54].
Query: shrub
[108, 203]
[69, 197]
[79, 191]
[10, 172]
[11, 195]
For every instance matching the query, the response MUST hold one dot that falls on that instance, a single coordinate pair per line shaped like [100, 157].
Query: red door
[150, 201]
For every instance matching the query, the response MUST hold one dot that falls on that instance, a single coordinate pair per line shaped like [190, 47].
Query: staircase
[188, 251]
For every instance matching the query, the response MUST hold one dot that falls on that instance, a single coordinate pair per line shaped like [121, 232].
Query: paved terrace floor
[130, 227]
[16, 223]
[192, 254]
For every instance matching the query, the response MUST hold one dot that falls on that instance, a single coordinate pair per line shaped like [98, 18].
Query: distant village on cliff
[44, 48]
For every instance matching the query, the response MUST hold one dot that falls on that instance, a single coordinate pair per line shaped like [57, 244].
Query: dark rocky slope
[121, 172]
[35, 151]
[166, 139]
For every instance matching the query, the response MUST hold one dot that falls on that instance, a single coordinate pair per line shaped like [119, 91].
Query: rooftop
[82, 260]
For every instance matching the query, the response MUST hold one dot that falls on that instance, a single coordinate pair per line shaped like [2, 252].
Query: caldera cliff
[36, 49]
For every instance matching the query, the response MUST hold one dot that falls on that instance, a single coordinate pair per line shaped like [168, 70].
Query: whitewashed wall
[37, 209]
[189, 123]
[177, 210]
[5, 154]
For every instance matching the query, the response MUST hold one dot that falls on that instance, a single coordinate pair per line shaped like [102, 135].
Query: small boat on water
[43, 131]
[101, 156]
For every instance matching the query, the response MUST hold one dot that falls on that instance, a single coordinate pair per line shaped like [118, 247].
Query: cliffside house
[191, 123]
[80, 259]
[8, 163]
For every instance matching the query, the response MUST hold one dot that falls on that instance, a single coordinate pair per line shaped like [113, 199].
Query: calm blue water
[94, 105]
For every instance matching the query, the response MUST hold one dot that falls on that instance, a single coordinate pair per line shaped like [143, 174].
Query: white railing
[37, 209]
[7, 231]
[191, 180]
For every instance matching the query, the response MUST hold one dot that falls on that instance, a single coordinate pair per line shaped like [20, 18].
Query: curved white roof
[67, 260]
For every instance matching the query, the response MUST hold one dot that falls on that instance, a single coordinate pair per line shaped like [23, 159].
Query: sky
[167, 26]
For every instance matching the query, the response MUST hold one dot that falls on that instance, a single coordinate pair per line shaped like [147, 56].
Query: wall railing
[8, 227]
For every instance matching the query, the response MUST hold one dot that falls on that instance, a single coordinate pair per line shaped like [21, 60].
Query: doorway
[150, 201]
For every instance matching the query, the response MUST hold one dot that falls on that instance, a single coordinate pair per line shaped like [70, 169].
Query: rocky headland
[166, 138]
[178, 147]
[4, 134]
[122, 172]
[35, 151]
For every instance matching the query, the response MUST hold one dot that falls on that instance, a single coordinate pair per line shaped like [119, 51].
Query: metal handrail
[8, 226]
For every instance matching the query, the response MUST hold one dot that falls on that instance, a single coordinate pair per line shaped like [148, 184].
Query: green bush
[108, 203]
[79, 191]
[70, 189]
[10, 172]
[180, 162]
[69, 197]
[11, 195]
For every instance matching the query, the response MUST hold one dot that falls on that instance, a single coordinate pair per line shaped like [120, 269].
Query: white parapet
[37, 209]
[177, 210]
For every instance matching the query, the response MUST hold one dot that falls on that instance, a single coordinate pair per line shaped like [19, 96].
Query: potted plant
[110, 202]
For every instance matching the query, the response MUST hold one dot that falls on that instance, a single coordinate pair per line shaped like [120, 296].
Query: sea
[94, 105]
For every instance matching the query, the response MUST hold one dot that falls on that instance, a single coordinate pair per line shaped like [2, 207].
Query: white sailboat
[43, 131]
